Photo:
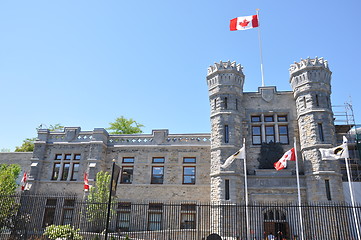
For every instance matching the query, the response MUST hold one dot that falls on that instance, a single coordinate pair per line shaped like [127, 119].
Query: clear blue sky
[85, 62]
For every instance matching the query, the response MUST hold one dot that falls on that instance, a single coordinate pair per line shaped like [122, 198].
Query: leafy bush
[62, 231]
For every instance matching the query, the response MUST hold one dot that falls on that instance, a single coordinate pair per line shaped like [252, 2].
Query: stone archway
[275, 222]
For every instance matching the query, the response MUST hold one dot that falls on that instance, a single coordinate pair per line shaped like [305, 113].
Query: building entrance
[275, 223]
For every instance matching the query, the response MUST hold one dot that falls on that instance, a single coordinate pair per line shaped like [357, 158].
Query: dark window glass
[66, 168]
[256, 135]
[49, 212]
[158, 160]
[225, 103]
[157, 175]
[268, 119]
[320, 132]
[226, 134]
[128, 160]
[255, 118]
[317, 102]
[127, 175]
[328, 192]
[189, 160]
[75, 173]
[189, 175]
[282, 118]
[270, 134]
[227, 189]
[283, 133]
[56, 170]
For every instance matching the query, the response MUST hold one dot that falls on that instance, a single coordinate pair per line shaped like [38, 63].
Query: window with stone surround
[123, 216]
[49, 212]
[155, 215]
[66, 167]
[266, 128]
[127, 175]
[68, 211]
[188, 216]
[189, 175]
[157, 175]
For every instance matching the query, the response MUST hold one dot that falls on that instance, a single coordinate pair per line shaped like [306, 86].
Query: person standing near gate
[270, 236]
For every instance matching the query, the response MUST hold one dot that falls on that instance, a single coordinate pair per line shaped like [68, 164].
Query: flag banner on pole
[23, 181]
[288, 156]
[336, 152]
[86, 182]
[243, 23]
[115, 177]
[240, 154]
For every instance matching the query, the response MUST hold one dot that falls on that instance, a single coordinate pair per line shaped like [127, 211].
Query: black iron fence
[29, 215]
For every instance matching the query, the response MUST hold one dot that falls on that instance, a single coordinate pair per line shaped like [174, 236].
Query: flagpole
[260, 46]
[109, 201]
[299, 190]
[246, 190]
[352, 199]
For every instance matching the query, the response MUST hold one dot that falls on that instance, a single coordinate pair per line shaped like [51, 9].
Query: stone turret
[225, 85]
[310, 80]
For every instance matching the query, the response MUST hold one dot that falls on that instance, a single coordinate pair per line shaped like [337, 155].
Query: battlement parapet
[224, 66]
[308, 63]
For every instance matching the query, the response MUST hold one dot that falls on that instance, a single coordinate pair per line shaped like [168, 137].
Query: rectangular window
[317, 102]
[66, 168]
[188, 216]
[49, 212]
[236, 104]
[255, 118]
[158, 160]
[123, 216]
[268, 119]
[75, 173]
[283, 133]
[67, 157]
[189, 160]
[320, 132]
[226, 134]
[128, 160]
[256, 135]
[127, 175]
[189, 175]
[155, 216]
[270, 134]
[225, 103]
[56, 170]
[281, 118]
[77, 156]
[68, 212]
[328, 192]
[58, 156]
[304, 102]
[157, 175]
[226, 183]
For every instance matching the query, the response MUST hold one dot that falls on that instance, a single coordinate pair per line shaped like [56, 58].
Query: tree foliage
[28, 143]
[62, 232]
[123, 125]
[97, 201]
[8, 185]
[269, 154]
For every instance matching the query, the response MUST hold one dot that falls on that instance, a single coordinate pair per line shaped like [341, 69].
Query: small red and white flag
[86, 182]
[244, 23]
[288, 156]
[23, 181]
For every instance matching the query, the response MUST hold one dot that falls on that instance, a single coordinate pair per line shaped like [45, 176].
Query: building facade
[187, 167]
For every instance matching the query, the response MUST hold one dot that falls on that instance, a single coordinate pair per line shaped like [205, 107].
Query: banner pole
[298, 190]
[260, 46]
[246, 190]
[109, 201]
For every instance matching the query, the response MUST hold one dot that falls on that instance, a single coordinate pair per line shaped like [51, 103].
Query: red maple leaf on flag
[244, 23]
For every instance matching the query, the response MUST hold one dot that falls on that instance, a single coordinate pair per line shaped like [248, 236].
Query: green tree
[97, 201]
[8, 206]
[125, 126]
[28, 143]
[62, 232]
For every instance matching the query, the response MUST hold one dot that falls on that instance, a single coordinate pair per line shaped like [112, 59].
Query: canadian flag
[243, 23]
[86, 182]
[23, 181]
[288, 156]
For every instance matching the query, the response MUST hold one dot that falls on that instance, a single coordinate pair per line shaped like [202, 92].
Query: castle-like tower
[310, 81]
[225, 85]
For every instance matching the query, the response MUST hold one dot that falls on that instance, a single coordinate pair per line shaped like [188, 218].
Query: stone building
[187, 167]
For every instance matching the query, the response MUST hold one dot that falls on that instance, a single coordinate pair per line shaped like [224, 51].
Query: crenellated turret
[225, 85]
[310, 80]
